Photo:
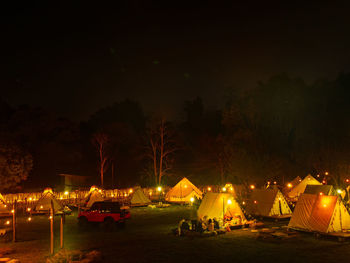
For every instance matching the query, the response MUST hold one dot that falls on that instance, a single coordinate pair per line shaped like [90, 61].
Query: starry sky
[73, 58]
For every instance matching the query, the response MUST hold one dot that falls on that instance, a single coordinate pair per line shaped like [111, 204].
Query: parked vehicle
[106, 213]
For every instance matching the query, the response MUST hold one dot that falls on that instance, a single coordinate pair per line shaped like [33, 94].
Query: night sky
[75, 59]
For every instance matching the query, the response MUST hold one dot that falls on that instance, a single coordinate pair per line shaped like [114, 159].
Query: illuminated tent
[94, 195]
[44, 202]
[183, 191]
[317, 189]
[268, 203]
[300, 188]
[320, 213]
[4, 209]
[219, 205]
[139, 198]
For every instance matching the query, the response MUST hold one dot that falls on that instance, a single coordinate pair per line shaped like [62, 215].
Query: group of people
[202, 225]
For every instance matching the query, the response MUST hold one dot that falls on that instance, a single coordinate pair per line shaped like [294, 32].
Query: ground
[147, 238]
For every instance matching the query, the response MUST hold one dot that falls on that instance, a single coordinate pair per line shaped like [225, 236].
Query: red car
[107, 213]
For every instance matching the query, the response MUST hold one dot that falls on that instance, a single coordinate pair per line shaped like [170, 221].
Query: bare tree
[100, 140]
[160, 149]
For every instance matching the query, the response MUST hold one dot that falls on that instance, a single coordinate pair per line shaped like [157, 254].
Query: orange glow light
[252, 187]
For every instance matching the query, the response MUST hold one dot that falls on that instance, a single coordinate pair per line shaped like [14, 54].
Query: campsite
[175, 131]
[147, 238]
[260, 228]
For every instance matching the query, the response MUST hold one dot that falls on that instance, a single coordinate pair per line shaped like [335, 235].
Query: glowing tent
[139, 198]
[297, 190]
[320, 213]
[183, 191]
[94, 195]
[268, 203]
[220, 205]
[44, 202]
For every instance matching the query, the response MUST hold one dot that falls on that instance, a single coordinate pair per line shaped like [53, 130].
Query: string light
[7, 222]
[209, 188]
[339, 191]
[255, 202]
[289, 185]
[224, 189]
[252, 186]
[192, 199]
[28, 209]
[159, 188]
[229, 201]
[29, 219]
[130, 191]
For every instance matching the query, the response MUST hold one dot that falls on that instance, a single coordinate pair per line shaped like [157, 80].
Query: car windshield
[111, 207]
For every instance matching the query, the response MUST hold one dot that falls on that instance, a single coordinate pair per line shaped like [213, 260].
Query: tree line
[281, 128]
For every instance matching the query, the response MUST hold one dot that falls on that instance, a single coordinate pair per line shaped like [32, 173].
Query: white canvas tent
[139, 198]
[268, 203]
[44, 202]
[320, 213]
[183, 191]
[297, 190]
[219, 206]
[94, 195]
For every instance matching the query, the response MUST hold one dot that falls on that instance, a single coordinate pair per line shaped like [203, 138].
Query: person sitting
[210, 225]
[216, 223]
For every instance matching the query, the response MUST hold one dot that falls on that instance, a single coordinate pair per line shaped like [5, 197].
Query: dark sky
[73, 59]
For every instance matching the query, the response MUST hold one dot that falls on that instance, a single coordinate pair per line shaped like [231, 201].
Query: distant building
[72, 181]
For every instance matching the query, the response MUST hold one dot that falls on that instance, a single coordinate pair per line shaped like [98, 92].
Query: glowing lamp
[268, 182]
[12, 211]
[30, 199]
[339, 191]
[252, 186]
[224, 189]
[5, 205]
[274, 182]
[66, 193]
[192, 199]
[229, 201]
[279, 199]
[112, 195]
[28, 209]
[29, 219]
[99, 190]
[50, 217]
[7, 222]
[326, 173]
[243, 203]
[255, 202]
[41, 207]
[209, 188]
[324, 181]
[150, 193]
[231, 189]
[159, 188]
[318, 175]
[321, 193]
[130, 191]
[289, 185]
[185, 185]
[347, 180]
[324, 205]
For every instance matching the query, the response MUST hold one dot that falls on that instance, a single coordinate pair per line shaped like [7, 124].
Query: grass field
[147, 238]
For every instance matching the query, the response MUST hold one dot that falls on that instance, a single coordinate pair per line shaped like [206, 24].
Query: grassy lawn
[147, 238]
